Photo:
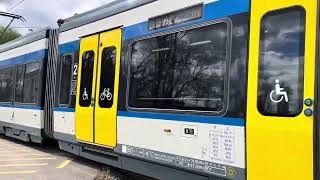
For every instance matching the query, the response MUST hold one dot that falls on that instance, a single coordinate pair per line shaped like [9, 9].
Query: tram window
[86, 78]
[6, 85]
[107, 76]
[31, 83]
[180, 71]
[19, 83]
[65, 80]
[281, 63]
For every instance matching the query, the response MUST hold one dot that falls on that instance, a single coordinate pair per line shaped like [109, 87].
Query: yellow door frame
[95, 124]
[280, 148]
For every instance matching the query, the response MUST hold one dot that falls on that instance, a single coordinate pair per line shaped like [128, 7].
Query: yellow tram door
[107, 88]
[97, 93]
[88, 58]
[281, 90]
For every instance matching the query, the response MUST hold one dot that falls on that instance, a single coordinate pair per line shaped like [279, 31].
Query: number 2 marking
[75, 69]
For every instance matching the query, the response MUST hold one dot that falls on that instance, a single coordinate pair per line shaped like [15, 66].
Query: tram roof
[28, 38]
[108, 10]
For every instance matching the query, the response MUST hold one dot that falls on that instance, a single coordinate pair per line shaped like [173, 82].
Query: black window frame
[13, 69]
[228, 23]
[39, 85]
[270, 13]
[60, 79]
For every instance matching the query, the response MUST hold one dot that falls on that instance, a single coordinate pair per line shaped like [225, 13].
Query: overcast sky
[41, 13]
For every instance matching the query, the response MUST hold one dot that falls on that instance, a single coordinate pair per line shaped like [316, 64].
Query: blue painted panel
[30, 57]
[62, 109]
[69, 47]
[214, 10]
[223, 8]
[35, 107]
[186, 118]
[175, 117]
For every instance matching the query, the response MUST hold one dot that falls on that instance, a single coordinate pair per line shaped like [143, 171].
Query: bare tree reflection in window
[183, 70]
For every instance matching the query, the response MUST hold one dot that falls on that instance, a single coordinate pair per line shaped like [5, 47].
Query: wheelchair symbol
[278, 91]
[106, 94]
[85, 95]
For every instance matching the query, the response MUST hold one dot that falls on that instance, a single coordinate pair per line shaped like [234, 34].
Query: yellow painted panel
[84, 115]
[106, 118]
[280, 148]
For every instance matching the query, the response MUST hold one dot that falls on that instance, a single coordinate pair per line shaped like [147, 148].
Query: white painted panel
[64, 122]
[128, 18]
[25, 117]
[214, 143]
[32, 47]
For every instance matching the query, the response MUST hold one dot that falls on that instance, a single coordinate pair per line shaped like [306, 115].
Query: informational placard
[74, 80]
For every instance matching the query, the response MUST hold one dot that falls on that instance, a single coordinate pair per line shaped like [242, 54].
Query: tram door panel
[279, 126]
[88, 58]
[97, 106]
[107, 91]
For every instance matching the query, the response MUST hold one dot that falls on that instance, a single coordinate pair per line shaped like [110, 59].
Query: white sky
[42, 13]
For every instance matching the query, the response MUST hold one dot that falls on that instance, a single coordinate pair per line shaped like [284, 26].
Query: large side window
[281, 62]
[86, 78]
[181, 71]
[108, 69]
[6, 85]
[31, 83]
[65, 80]
[19, 83]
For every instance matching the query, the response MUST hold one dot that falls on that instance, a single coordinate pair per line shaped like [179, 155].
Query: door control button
[308, 102]
[308, 112]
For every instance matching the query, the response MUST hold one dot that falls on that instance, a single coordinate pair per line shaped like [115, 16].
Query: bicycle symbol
[85, 95]
[278, 91]
[106, 94]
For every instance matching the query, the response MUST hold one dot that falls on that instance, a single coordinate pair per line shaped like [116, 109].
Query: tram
[184, 89]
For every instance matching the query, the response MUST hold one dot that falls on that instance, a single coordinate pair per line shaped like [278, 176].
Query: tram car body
[23, 71]
[172, 131]
[185, 89]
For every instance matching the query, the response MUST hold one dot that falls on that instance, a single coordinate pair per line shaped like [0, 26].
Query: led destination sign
[177, 17]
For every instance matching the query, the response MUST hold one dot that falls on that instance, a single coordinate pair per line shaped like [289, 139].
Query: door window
[108, 68]
[281, 62]
[86, 78]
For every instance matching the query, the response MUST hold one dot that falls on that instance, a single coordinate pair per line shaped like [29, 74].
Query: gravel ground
[116, 174]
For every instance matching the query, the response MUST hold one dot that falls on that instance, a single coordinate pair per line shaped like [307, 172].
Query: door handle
[12, 116]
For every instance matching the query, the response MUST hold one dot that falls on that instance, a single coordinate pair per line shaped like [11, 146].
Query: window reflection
[107, 77]
[65, 84]
[184, 70]
[281, 62]
[31, 83]
[6, 85]
[86, 78]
